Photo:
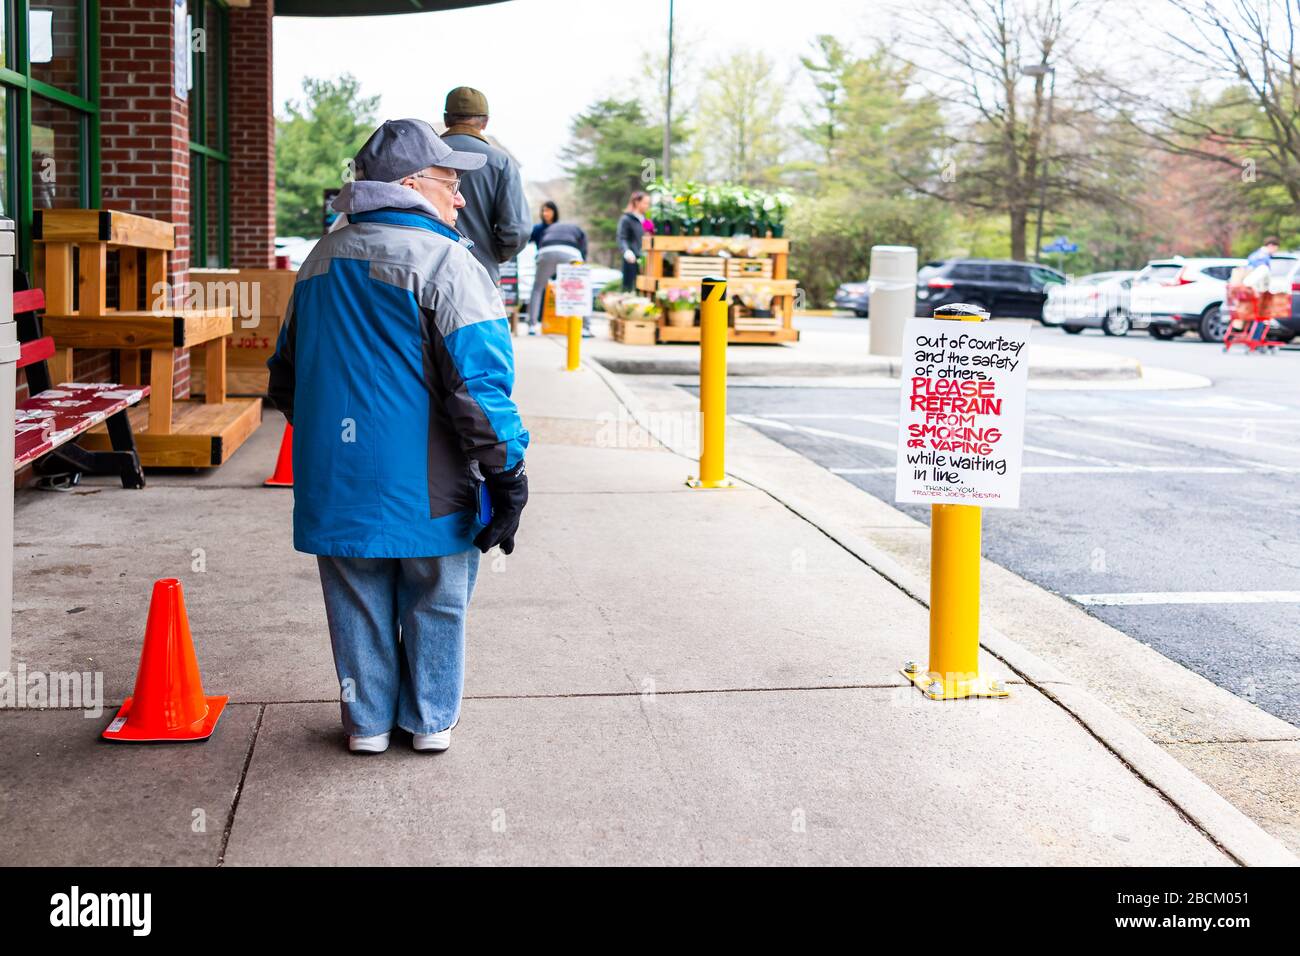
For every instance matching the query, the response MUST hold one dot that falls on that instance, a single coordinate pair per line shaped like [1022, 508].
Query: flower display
[672, 298]
[695, 209]
[758, 298]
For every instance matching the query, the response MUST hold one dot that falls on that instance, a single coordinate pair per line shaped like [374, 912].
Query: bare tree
[996, 64]
[740, 117]
[1249, 48]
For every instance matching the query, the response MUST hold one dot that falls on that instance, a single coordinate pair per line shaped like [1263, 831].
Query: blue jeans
[397, 626]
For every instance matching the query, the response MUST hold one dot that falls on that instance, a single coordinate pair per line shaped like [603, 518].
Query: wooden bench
[74, 252]
[47, 422]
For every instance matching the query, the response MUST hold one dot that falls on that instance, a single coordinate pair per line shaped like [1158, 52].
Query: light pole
[1039, 70]
[668, 103]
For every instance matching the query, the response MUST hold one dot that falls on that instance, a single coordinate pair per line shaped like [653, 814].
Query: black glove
[508, 492]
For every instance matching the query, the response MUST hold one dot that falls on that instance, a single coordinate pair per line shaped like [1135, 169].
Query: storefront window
[54, 43]
[6, 202]
[216, 218]
[57, 151]
[209, 159]
[48, 157]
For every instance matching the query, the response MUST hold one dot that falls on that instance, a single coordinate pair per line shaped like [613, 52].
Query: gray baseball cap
[402, 147]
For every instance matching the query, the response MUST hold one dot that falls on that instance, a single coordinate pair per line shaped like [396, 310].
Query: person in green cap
[495, 217]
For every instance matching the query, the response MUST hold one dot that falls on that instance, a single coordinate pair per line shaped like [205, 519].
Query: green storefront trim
[209, 162]
[19, 86]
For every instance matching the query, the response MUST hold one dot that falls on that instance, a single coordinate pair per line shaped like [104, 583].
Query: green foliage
[313, 144]
[827, 70]
[878, 136]
[691, 208]
[742, 135]
[615, 150]
[833, 236]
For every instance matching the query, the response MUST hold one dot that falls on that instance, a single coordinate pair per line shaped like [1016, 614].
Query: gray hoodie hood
[364, 195]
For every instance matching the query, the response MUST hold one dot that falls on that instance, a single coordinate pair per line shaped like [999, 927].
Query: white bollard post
[892, 301]
[9, 352]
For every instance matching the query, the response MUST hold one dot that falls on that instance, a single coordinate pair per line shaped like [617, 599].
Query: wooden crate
[699, 267]
[749, 268]
[260, 300]
[633, 331]
[745, 322]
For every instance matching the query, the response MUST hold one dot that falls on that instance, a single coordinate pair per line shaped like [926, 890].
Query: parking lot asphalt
[1169, 515]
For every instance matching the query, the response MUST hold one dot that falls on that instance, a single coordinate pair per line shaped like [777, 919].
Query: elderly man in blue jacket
[395, 368]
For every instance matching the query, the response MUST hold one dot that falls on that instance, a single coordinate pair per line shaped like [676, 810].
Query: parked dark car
[1003, 287]
[853, 296]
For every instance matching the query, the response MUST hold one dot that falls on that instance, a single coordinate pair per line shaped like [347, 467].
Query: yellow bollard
[713, 385]
[573, 332]
[955, 534]
[574, 363]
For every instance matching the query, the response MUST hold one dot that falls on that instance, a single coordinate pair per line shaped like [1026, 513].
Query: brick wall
[251, 119]
[144, 130]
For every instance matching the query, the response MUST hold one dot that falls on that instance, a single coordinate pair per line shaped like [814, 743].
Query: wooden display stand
[259, 299]
[783, 288]
[167, 432]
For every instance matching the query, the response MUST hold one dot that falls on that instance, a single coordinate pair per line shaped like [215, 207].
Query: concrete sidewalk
[820, 353]
[657, 675]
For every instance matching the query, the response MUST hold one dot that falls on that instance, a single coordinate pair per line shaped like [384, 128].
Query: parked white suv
[1173, 296]
[1097, 301]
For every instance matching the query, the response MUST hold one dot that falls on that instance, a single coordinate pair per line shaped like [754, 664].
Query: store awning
[366, 8]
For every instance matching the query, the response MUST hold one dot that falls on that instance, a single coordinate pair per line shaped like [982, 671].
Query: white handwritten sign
[572, 290]
[961, 418]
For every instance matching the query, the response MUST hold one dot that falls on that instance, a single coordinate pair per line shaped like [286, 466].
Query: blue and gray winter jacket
[395, 367]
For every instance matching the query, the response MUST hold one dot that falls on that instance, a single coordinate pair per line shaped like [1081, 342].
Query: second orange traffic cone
[168, 703]
[283, 477]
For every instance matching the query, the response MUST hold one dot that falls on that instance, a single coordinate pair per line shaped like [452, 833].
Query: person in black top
[558, 243]
[548, 214]
[630, 233]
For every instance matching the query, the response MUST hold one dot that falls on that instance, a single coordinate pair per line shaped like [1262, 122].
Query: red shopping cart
[1249, 317]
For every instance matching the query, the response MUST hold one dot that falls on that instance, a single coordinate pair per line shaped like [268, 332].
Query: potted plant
[638, 307]
[679, 304]
[758, 300]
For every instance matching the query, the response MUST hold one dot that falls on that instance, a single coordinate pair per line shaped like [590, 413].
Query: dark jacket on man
[495, 217]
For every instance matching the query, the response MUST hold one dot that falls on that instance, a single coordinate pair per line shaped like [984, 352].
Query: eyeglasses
[455, 183]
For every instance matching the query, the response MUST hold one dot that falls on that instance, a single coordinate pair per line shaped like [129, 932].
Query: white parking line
[1117, 469]
[1201, 436]
[1086, 464]
[1068, 456]
[819, 432]
[1093, 436]
[1189, 597]
[874, 419]
[890, 445]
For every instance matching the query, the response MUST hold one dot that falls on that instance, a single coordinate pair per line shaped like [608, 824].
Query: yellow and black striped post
[713, 385]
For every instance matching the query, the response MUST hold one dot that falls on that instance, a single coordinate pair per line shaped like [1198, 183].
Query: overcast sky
[539, 61]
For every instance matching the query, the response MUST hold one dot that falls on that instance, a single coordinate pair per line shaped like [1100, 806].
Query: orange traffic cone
[283, 477]
[168, 703]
